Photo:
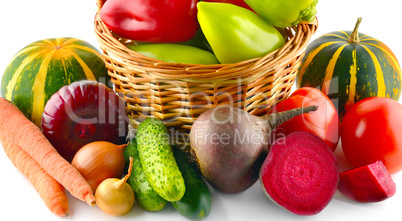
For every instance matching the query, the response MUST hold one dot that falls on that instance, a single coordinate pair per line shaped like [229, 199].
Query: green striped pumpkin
[349, 68]
[41, 68]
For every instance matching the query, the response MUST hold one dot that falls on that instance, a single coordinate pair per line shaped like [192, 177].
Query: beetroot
[230, 144]
[81, 113]
[300, 173]
[370, 183]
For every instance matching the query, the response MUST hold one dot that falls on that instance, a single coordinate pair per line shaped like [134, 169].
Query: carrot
[51, 192]
[22, 132]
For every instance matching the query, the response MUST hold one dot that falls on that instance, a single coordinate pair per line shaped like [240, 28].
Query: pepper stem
[354, 37]
[307, 14]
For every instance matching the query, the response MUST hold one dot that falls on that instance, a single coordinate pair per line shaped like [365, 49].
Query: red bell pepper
[240, 3]
[154, 21]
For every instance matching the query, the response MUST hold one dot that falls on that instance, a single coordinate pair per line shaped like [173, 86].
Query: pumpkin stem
[354, 37]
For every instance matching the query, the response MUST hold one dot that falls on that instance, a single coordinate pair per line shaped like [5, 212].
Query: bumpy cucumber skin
[196, 202]
[158, 161]
[144, 194]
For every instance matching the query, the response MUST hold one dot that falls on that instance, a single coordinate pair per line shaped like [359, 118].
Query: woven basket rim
[116, 48]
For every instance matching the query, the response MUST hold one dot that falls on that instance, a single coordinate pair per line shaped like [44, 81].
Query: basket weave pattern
[179, 93]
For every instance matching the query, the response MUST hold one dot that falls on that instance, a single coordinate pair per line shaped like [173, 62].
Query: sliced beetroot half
[300, 173]
[370, 183]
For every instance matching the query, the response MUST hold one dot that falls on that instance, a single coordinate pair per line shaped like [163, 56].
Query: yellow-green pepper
[175, 53]
[284, 13]
[198, 41]
[235, 33]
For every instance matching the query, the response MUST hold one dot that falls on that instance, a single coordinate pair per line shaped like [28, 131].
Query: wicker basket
[179, 93]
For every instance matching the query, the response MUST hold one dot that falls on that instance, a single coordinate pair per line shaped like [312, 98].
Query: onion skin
[83, 112]
[115, 196]
[112, 200]
[98, 161]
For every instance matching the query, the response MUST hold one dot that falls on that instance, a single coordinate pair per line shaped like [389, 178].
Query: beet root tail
[275, 119]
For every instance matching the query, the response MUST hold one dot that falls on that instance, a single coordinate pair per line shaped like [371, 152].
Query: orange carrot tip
[90, 199]
[52, 193]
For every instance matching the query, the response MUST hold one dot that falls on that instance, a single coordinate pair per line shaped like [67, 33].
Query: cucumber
[157, 160]
[196, 202]
[144, 194]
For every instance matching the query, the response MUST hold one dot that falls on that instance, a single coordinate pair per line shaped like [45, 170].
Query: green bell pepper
[235, 33]
[284, 13]
[176, 53]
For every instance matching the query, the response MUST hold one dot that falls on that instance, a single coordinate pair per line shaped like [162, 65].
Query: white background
[25, 21]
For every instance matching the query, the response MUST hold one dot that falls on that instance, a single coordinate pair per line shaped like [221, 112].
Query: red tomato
[371, 132]
[323, 122]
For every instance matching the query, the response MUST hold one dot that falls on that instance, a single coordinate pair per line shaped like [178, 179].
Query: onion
[98, 161]
[83, 112]
[114, 196]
